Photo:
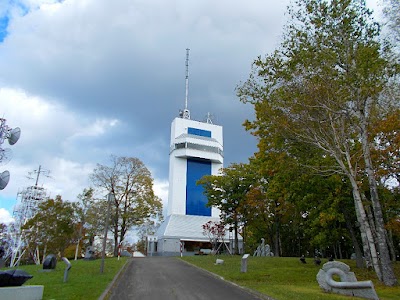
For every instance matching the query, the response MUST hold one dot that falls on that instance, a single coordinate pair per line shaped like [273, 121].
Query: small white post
[243, 268]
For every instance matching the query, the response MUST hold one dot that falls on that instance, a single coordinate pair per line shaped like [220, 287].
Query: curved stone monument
[348, 285]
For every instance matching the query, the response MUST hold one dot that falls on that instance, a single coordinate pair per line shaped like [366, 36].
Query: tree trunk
[364, 240]
[244, 238]
[79, 240]
[77, 249]
[116, 240]
[367, 237]
[365, 229]
[391, 245]
[357, 249]
[236, 249]
[115, 223]
[277, 237]
[44, 252]
[388, 276]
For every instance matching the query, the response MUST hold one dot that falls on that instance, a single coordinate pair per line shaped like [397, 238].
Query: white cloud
[52, 136]
[161, 190]
[99, 127]
[68, 178]
[5, 216]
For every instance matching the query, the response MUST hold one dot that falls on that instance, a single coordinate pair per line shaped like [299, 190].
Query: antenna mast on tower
[186, 112]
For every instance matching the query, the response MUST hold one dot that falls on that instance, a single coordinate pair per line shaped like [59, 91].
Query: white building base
[183, 235]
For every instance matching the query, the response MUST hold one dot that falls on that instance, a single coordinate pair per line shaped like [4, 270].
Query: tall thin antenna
[187, 78]
[38, 172]
[186, 112]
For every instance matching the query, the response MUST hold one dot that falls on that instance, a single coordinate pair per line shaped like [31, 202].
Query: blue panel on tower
[199, 132]
[195, 199]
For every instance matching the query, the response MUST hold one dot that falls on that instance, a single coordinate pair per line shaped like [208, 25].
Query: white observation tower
[196, 149]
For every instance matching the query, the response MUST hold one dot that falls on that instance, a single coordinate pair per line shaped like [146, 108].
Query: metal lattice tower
[28, 201]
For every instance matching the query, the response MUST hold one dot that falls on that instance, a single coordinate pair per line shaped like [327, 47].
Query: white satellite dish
[14, 135]
[4, 179]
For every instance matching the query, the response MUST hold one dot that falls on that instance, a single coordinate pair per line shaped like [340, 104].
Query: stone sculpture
[50, 262]
[13, 278]
[348, 285]
[263, 249]
[90, 253]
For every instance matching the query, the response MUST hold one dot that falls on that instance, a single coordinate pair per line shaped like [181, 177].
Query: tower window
[196, 201]
[200, 132]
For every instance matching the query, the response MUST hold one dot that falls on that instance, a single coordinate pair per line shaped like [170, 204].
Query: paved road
[168, 278]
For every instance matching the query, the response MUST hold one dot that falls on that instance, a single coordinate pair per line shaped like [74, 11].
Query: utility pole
[110, 196]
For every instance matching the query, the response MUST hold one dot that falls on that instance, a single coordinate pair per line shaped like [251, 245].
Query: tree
[134, 201]
[4, 240]
[322, 87]
[386, 150]
[227, 192]
[82, 212]
[52, 227]
[215, 231]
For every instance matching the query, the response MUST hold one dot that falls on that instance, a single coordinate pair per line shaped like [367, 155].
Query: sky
[86, 79]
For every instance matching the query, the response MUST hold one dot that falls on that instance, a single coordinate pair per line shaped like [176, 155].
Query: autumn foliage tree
[134, 201]
[323, 87]
[215, 231]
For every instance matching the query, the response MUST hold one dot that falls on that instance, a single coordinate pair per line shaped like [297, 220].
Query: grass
[84, 279]
[285, 277]
[278, 277]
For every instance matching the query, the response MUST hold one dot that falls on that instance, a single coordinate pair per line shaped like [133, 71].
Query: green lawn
[84, 280]
[285, 278]
[279, 277]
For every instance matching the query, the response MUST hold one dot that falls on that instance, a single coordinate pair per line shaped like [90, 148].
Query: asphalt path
[169, 278]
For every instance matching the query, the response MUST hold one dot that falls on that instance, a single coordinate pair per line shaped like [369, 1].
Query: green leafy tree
[83, 227]
[131, 185]
[228, 192]
[322, 87]
[52, 227]
[267, 207]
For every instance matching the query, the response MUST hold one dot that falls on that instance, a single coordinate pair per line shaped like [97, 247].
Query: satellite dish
[4, 179]
[14, 135]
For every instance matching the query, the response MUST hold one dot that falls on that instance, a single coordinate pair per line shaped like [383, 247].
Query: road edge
[106, 292]
[250, 291]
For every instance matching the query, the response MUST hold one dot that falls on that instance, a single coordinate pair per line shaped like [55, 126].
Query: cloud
[5, 216]
[161, 190]
[85, 79]
[52, 136]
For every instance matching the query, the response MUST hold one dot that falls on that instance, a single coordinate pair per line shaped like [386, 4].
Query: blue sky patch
[3, 27]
